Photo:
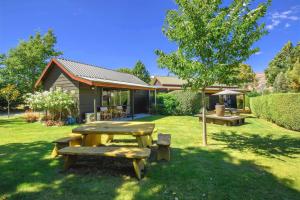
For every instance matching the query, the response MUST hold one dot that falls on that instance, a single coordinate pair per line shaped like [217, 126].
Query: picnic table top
[116, 128]
[225, 118]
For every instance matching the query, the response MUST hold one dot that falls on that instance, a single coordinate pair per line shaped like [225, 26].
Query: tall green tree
[281, 63]
[24, 63]
[212, 39]
[294, 77]
[140, 71]
[281, 83]
[245, 75]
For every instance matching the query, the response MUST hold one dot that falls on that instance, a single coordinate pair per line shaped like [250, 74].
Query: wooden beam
[132, 103]
[95, 102]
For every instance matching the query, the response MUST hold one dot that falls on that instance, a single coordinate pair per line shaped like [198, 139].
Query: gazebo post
[244, 101]
[101, 97]
[95, 101]
[155, 98]
[132, 103]
[149, 100]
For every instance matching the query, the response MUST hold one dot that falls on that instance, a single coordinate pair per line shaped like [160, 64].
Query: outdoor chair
[105, 113]
[121, 112]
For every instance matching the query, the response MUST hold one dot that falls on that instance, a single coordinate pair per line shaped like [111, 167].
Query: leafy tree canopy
[245, 75]
[211, 39]
[23, 64]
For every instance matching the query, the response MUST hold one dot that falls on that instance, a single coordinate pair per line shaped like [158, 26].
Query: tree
[280, 83]
[125, 70]
[281, 63]
[141, 72]
[245, 75]
[24, 63]
[212, 40]
[9, 93]
[293, 76]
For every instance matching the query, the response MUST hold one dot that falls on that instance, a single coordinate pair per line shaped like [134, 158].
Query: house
[95, 86]
[171, 83]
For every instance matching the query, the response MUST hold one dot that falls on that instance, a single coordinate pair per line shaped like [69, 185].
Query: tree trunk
[204, 130]
[8, 110]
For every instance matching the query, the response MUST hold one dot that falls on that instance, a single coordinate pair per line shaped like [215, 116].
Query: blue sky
[117, 33]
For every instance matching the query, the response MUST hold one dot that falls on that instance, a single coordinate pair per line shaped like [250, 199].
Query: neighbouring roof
[176, 83]
[95, 75]
[168, 80]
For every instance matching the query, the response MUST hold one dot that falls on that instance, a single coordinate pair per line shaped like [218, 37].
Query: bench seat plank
[125, 152]
[67, 139]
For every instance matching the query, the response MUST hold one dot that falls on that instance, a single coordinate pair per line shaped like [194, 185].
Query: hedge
[282, 109]
[179, 103]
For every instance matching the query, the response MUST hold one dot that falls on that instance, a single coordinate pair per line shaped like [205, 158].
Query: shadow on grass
[27, 172]
[196, 173]
[262, 145]
[8, 122]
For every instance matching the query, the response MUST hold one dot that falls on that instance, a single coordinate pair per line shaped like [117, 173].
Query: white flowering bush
[56, 102]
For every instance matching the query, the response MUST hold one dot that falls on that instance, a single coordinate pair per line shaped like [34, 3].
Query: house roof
[168, 80]
[94, 75]
[174, 83]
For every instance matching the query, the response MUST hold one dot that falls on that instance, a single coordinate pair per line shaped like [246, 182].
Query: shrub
[282, 109]
[58, 103]
[189, 102]
[166, 104]
[178, 103]
[31, 116]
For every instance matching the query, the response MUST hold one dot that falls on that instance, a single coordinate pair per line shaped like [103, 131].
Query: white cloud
[258, 53]
[273, 24]
[285, 16]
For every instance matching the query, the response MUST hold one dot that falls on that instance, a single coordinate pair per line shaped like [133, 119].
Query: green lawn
[258, 160]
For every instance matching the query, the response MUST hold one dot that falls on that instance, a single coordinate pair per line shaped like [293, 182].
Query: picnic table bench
[138, 155]
[60, 143]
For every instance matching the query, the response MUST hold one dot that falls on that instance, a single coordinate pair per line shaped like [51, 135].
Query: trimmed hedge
[282, 109]
[179, 103]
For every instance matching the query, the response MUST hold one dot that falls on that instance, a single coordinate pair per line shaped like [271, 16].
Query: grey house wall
[57, 78]
[86, 98]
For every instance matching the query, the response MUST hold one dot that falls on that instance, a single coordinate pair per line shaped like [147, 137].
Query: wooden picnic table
[93, 132]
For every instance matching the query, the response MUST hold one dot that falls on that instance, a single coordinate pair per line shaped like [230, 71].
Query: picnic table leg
[54, 151]
[110, 138]
[138, 165]
[69, 160]
[92, 140]
[143, 141]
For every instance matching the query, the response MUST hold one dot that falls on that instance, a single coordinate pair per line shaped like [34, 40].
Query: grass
[258, 160]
